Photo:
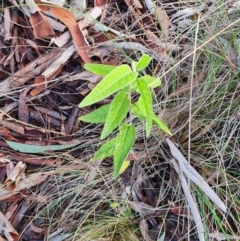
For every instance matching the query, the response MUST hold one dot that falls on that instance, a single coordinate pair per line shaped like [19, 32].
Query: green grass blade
[99, 69]
[117, 79]
[145, 102]
[97, 116]
[117, 112]
[106, 150]
[124, 144]
[143, 62]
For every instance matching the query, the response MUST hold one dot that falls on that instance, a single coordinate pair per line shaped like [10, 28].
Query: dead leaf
[25, 183]
[21, 213]
[144, 230]
[30, 71]
[35, 228]
[40, 85]
[52, 70]
[141, 207]
[14, 177]
[68, 19]
[99, 3]
[6, 227]
[41, 27]
[23, 114]
[43, 118]
[70, 123]
[50, 112]
[55, 24]
[163, 20]
[34, 160]
[11, 210]
[7, 24]
[9, 168]
[230, 51]
[4, 132]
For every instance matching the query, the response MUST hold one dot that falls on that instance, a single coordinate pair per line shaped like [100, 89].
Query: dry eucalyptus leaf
[163, 20]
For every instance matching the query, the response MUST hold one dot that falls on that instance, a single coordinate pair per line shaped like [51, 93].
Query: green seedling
[122, 82]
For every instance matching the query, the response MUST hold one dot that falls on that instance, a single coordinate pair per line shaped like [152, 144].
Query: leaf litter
[45, 148]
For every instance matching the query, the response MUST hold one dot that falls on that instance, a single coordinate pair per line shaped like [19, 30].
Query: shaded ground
[56, 193]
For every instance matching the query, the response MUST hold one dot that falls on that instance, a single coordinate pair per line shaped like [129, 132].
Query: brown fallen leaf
[34, 160]
[21, 213]
[23, 114]
[2, 239]
[40, 85]
[99, 3]
[55, 24]
[50, 112]
[14, 177]
[12, 126]
[70, 123]
[25, 183]
[91, 16]
[4, 132]
[3, 170]
[68, 19]
[30, 71]
[11, 210]
[9, 167]
[40, 25]
[7, 24]
[35, 228]
[144, 230]
[41, 81]
[163, 20]
[43, 118]
[6, 227]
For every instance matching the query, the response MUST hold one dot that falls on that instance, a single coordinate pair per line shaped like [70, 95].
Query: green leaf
[160, 124]
[145, 102]
[97, 116]
[143, 62]
[124, 143]
[106, 150]
[99, 69]
[25, 148]
[117, 112]
[152, 82]
[124, 166]
[137, 111]
[116, 80]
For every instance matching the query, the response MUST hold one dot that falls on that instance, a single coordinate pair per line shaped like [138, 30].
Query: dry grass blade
[194, 176]
[190, 201]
